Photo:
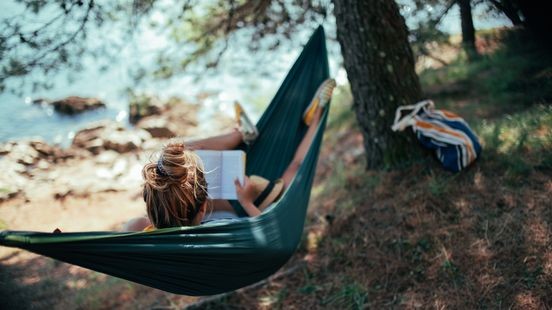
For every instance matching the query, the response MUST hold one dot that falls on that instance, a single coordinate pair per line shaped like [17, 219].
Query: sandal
[245, 126]
[321, 98]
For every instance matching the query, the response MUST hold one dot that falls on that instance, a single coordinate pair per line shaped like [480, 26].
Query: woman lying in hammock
[175, 190]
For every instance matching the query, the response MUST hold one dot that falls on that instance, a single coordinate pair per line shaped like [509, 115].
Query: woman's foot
[321, 98]
[246, 127]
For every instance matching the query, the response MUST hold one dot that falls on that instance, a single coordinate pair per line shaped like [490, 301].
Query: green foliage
[52, 36]
[438, 185]
[414, 254]
[450, 269]
[342, 116]
[310, 286]
[531, 275]
[501, 96]
[519, 143]
[546, 161]
[515, 75]
[351, 296]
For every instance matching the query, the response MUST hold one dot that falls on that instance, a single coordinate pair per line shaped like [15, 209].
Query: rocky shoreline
[72, 105]
[103, 157]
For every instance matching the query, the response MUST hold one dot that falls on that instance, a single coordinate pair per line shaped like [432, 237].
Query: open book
[221, 169]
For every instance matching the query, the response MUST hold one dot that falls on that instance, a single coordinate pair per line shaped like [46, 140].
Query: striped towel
[447, 134]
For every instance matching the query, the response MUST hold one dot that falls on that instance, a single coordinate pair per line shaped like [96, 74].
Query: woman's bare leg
[227, 141]
[302, 149]
[222, 142]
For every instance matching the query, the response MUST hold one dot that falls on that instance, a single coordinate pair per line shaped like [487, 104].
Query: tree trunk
[380, 68]
[537, 19]
[468, 31]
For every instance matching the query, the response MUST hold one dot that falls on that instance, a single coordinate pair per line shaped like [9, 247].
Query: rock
[51, 153]
[31, 152]
[6, 148]
[95, 146]
[41, 101]
[11, 180]
[143, 106]
[109, 136]
[24, 154]
[62, 192]
[43, 149]
[19, 168]
[8, 192]
[152, 145]
[158, 127]
[121, 141]
[75, 105]
[90, 138]
[118, 169]
[86, 186]
[106, 157]
[43, 164]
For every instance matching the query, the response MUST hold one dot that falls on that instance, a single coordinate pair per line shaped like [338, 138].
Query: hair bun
[174, 198]
[174, 149]
[180, 164]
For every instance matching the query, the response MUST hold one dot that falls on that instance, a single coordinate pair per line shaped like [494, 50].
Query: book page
[221, 169]
[233, 167]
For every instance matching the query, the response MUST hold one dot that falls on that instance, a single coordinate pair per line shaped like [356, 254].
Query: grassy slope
[423, 237]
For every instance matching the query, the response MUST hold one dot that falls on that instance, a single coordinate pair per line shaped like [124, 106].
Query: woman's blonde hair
[174, 188]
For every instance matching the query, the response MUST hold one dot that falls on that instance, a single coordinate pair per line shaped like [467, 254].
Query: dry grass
[414, 238]
[422, 237]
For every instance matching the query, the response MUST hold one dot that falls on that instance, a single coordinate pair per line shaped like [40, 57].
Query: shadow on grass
[38, 282]
[425, 238]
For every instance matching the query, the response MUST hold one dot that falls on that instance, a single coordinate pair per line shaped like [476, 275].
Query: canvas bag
[455, 144]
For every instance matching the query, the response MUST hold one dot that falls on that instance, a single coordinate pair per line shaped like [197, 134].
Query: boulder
[6, 148]
[11, 180]
[9, 192]
[90, 138]
[41, 101]
[43, 164]
[24, 154]
[158, 127]
[109, 136]
[75, 105]
[51, 153]
[152, 145]
[121, 141]
[106, 157]
[143, 106]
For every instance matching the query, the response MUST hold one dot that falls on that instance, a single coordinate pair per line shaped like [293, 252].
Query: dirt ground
[95, 193]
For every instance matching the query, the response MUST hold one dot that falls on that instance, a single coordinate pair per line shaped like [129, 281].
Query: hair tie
[159, 169]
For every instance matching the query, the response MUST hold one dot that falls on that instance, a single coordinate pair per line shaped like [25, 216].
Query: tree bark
[537, 19]
[468, 31]
[380, 67]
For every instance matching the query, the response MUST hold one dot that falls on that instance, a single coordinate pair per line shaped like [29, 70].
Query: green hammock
[218, 257]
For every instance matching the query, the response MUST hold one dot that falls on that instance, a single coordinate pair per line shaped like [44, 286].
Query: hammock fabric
[218, 257]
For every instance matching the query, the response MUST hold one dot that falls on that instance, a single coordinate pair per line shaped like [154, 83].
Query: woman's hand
[247, 192]
[246, 195]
